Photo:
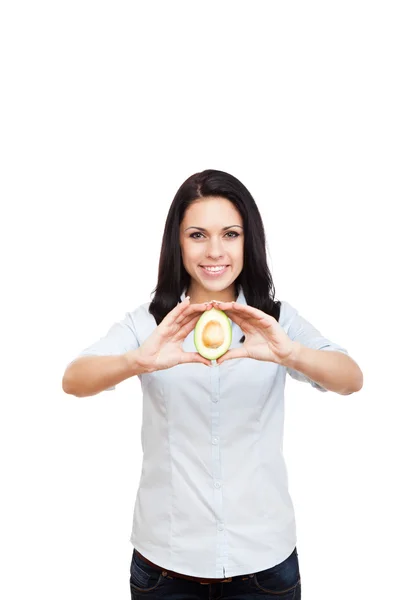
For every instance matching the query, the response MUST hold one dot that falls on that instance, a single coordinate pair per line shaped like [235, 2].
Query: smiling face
[211, 235]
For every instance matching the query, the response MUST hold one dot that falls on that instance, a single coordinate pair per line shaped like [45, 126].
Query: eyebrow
[223, 229]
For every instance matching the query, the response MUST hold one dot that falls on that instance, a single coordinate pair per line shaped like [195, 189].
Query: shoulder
[141, 321]
[287, 314]
[141, 311]
[140, 315]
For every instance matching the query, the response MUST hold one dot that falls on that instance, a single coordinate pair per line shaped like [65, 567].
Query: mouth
[214, 271]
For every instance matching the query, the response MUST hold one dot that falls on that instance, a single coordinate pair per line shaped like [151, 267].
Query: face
[211, 235]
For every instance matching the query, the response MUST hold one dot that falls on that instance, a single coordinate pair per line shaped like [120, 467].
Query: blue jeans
[281, 582]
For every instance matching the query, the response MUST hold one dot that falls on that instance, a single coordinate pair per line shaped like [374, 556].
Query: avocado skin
[210, 315]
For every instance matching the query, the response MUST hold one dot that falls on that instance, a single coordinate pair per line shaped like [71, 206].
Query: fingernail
[187, 297]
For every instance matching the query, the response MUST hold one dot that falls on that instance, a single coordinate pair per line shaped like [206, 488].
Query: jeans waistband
[202, 580]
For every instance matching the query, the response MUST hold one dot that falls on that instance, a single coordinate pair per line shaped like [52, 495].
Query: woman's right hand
[163, 348]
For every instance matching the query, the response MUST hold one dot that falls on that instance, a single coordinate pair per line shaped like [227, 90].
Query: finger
[243, 309]
[194, 357]
[235, 353]
[179, 314]
[185, 329]
[246, 323]
[193, 309]
[176, 311]
[248, 318]
[189, 316]
[242, 321]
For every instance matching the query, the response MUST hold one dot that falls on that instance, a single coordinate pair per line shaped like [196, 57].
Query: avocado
[213, 334]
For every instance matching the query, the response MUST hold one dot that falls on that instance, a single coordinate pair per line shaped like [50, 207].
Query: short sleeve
[301, 330]
[120, 338]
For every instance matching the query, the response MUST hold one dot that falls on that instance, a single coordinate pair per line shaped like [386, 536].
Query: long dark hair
[255, 277]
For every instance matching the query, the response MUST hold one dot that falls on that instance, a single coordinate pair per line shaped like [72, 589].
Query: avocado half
[213, 334]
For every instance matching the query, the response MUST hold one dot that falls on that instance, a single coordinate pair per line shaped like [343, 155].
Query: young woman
[213, 517]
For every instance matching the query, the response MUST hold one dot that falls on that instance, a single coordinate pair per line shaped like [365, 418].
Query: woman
[213, 517]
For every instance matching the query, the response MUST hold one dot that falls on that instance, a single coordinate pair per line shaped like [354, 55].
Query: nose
[215, 250]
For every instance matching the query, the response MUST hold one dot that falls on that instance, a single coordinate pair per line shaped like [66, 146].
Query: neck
[200, 295]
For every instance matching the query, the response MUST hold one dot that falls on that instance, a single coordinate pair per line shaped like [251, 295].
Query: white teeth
[214, 268]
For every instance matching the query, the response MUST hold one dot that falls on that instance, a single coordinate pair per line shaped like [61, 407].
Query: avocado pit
[213, 335]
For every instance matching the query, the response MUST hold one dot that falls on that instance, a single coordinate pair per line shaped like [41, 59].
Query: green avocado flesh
[213, 334]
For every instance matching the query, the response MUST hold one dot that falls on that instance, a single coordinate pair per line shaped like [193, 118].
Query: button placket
[221, 550]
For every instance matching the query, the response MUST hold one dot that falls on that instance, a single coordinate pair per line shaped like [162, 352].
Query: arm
[105, 363]
[90, 375]
[333, 370]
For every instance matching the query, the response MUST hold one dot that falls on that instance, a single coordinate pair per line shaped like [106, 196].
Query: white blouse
[213, 496]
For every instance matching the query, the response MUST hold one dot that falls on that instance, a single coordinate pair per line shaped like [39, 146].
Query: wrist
[292, 359]
[137, 363]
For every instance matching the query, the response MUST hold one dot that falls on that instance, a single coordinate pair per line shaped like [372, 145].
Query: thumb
[235, 353]
[191, 357]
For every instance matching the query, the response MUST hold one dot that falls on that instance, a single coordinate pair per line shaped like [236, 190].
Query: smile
[214, 271]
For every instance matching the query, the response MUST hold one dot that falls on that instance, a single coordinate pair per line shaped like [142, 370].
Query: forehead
[212, 210]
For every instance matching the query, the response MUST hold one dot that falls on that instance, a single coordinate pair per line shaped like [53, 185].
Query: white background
[106, 108]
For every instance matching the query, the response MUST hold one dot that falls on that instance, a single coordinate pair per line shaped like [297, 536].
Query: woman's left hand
[265, 338]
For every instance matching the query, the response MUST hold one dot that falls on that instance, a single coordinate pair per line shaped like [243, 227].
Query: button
[215, 399]
[217, 484]
[215, 440]
[220, 526]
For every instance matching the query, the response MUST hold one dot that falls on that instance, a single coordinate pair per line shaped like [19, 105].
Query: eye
[235, 234]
